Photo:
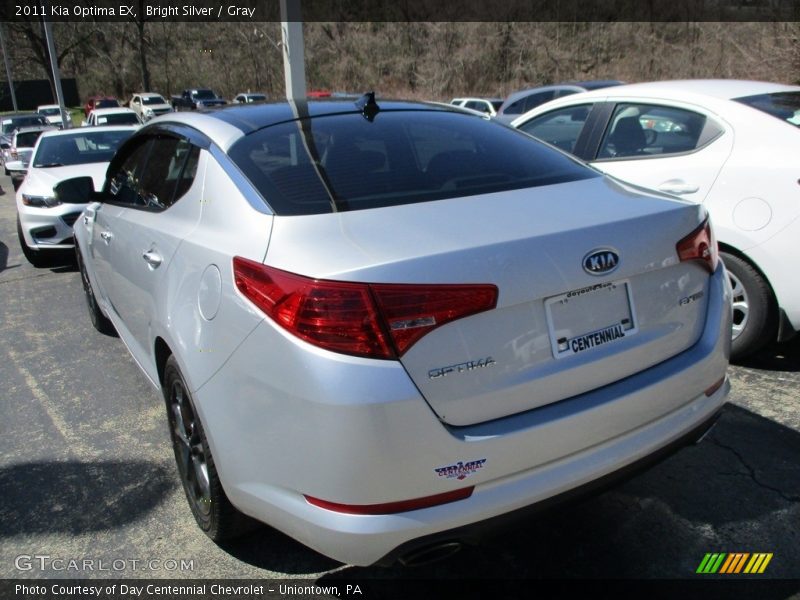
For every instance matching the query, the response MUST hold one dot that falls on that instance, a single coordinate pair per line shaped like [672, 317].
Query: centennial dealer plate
[590, 317]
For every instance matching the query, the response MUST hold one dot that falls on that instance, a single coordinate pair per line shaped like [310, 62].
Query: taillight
[700, 245]
[362, 319]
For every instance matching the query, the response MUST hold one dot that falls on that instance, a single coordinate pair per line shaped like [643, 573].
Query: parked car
[95, 102]
[524, 100]
[112, 116]
[9, 124]
[22, 143]
[148, 105]
[705, 140]
[403, 319]
[484, 105]
[248, 97]
[44, 223]
[194, 99]
[52, 112]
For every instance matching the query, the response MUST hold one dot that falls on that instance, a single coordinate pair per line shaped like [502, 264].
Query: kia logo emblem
[600, 261]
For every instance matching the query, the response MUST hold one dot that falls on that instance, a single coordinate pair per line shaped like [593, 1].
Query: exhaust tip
[430, 554]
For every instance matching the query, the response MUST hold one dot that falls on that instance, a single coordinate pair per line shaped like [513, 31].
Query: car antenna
[368, 107]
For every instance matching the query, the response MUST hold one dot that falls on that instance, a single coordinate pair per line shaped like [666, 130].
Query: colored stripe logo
[734, 563]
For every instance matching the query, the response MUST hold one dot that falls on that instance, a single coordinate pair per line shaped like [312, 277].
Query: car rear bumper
[356, 431]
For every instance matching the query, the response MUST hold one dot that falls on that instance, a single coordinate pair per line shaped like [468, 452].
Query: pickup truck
[196, 98]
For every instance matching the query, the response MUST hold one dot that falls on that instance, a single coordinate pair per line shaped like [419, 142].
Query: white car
[487, 106]
[375, 324]
[249, 97]
[112, 116]
[149, 105]
[733, 146]
[52, 112]
[44, 223]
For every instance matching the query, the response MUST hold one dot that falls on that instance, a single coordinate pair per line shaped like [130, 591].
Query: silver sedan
[376, 324]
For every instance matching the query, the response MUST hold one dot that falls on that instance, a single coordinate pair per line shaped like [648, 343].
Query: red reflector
[700, 245]
[362, 319]
[713, 389]
[393, 507]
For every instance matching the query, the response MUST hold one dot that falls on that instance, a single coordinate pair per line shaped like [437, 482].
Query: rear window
[27, 139]
[402, 157]
[781, 105]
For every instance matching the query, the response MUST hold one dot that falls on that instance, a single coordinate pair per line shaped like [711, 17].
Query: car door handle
[106, 235]
[152, 258]
[678, 187]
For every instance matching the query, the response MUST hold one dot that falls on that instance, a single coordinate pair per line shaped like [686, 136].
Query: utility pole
[294, 67]
[8, 69]
[51, 50]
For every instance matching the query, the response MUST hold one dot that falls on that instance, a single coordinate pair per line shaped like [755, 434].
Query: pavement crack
[752, 472]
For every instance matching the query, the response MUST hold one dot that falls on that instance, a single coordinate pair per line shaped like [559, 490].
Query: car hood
[42, 180]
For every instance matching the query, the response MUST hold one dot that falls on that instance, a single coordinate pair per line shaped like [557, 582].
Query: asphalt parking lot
[87, 471]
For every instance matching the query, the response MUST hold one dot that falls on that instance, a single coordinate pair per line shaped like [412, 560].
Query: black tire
[99, 321]
[212, 510]
[755, 313]
[34, 257]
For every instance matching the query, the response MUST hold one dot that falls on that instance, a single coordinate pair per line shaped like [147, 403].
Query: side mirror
[5, 145]
[16, 165]
[78, 190]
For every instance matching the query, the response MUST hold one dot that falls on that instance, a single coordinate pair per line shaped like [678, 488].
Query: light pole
[51, 50]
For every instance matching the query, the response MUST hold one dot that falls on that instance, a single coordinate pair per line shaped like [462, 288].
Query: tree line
[421, 60]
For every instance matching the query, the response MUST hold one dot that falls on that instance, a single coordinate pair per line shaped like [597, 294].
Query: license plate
[590, 317]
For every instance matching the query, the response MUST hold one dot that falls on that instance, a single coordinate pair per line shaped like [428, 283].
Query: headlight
[40, 201]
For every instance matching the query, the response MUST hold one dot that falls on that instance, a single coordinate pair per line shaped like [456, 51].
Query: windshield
[10, 125]
[345, 162]
[79, 148]
[204, 95]
[781, 105]
[153, 100]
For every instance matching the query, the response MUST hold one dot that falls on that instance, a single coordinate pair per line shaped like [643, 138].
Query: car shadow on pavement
[776, 357]
[4, 258]
[737, 490]
[78, 497]
[270, 549]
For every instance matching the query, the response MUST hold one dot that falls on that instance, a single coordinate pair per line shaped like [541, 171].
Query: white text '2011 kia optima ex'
[376, 324]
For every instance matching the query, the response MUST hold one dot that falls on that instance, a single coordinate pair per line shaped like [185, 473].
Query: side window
[476, 105]
[156, 173]
[561, 127]
[516, 108]
[123, 186]
[535, 100]
[654, 130]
